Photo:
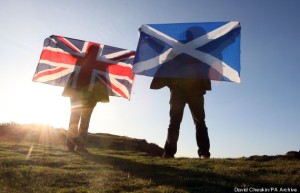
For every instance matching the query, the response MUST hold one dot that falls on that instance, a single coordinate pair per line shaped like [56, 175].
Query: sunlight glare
[42, 104]
[29, 152]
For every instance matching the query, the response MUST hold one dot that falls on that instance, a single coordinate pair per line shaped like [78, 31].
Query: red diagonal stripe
[71, 46]
[48, 72]
[123, 56]
[113, 87]
[58, 57]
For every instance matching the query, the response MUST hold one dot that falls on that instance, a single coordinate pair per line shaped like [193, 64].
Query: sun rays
[36, 134]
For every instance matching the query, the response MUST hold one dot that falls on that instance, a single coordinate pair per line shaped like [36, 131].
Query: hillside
[47, 135]
[42, 165]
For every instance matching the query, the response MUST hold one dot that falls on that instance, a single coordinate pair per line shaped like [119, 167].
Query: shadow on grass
[181, 179]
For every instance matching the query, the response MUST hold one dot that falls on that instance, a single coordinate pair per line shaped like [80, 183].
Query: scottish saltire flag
[208, 50]
[89, 62]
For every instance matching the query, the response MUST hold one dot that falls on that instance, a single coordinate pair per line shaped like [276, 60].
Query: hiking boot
[81, 149]
[71, 144]
[167, 156]
[204, 157]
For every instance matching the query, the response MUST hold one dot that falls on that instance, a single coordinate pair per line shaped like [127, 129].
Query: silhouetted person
[184, 91]
[84, 98]
[191, 92]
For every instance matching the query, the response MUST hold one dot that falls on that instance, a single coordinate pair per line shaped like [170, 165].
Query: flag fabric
[209, 50]
[87, 62]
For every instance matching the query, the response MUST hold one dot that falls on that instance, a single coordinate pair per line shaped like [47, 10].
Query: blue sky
[256, 117]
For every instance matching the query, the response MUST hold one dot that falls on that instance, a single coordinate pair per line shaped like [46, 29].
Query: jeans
[195, 100]
[81, 112]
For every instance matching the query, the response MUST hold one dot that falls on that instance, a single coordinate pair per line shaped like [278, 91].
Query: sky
[259, 116]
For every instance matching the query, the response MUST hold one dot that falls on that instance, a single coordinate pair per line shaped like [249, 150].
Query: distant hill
[44, 134]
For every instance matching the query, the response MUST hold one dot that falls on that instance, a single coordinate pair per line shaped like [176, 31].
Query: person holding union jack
[90, 73]
[83, 97]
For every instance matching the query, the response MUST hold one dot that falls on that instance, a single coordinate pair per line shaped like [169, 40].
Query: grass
[31, 167]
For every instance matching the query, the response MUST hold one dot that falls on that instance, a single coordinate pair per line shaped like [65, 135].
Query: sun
[41, 104]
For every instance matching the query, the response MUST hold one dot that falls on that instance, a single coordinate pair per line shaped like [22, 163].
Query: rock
[293, 154]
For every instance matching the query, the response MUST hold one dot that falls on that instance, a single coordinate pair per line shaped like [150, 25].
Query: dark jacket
[158, 83]
[99, 92]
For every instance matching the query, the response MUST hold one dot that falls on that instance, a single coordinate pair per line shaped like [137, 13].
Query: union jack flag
[87, 62]
[209, 50]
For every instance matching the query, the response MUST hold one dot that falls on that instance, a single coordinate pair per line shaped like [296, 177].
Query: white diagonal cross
[190, 49]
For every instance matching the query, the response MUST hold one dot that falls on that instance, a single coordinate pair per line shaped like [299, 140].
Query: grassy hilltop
[32, 162]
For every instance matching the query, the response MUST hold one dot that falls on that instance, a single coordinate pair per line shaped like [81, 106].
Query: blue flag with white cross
[209, 50]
